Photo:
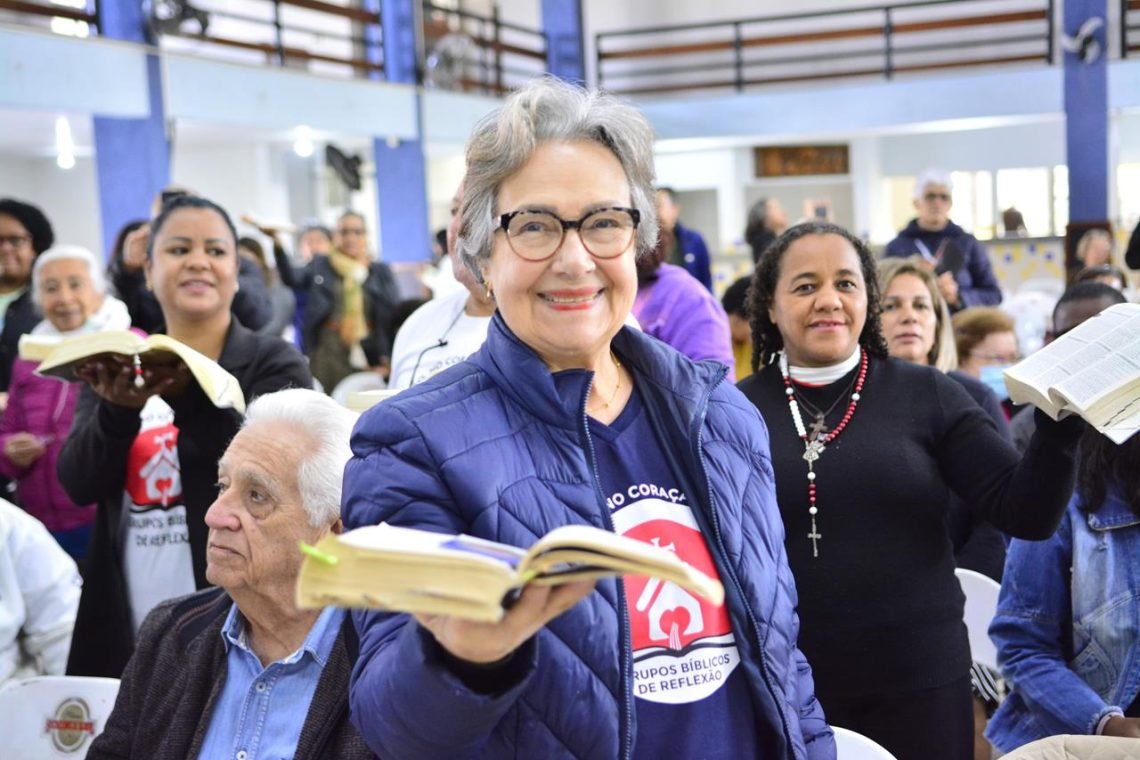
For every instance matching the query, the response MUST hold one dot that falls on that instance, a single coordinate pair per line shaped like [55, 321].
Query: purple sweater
[42, 406]
[677, 310]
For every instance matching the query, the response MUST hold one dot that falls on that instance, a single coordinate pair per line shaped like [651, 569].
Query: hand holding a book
[114, 381]
[487, 643]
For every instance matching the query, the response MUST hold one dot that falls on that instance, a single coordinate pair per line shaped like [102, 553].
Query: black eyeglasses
[15, 241]
[930, 197]
[605, 232]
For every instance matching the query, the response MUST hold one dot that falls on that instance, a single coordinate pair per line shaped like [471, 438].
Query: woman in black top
[145, 448]
[866, 451]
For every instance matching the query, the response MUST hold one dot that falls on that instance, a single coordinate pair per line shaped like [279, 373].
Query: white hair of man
[68, 253]
[930, 177]
[550, 110]
[328, 426]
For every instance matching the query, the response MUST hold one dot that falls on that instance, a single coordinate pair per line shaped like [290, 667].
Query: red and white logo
[683, 646]
[153, 474]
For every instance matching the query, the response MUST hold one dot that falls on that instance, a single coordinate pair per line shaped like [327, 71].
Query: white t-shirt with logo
[157, 562]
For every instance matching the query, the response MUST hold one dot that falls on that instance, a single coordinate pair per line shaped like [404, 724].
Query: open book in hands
[61, 357]
[384, 567]
[1093, 371]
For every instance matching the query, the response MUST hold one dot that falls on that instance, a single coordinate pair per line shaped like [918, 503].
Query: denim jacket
[1067, 626]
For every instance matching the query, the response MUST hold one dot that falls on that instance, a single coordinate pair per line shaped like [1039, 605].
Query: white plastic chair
[355, 383]
[981, 605]
[54, 716]
[851, 745]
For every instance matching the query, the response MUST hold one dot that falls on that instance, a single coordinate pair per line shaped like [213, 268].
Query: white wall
[68, 198]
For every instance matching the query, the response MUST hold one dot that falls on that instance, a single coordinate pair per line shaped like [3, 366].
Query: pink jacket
[42, 406]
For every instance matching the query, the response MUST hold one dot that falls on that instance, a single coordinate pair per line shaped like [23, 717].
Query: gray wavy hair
[550, 110]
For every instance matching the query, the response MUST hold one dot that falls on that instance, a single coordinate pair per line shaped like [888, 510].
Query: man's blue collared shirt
[260, 712]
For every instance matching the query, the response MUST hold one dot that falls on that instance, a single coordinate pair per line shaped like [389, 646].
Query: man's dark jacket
[168, 691]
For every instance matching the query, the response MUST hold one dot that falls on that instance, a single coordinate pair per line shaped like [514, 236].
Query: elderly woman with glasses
[563, 417]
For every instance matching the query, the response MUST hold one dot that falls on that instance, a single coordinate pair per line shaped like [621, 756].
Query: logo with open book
[683, 646]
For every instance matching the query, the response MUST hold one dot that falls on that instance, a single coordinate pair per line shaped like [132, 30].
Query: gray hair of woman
[68, 253]
[943, 354]
[549, 110]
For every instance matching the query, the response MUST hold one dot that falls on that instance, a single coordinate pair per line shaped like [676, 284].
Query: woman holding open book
[565, 417]
[146, 440]
[867, 452]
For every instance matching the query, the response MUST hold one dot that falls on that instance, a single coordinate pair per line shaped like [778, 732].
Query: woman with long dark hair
[866, 451]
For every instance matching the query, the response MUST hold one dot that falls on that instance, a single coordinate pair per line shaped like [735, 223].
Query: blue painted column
[1086, 118]
[565, 52]
[401, 177]
[132, 156]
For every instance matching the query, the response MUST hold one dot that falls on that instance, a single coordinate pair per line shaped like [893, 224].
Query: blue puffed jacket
[1066, 625]
[498, 447]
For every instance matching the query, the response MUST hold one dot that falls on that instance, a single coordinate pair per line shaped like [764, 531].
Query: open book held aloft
[1092, 371]
[385, 567]
[60, 358]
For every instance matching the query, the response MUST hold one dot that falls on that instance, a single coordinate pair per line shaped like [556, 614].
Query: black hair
[33, 220]
[350, 213]
[121, 239]
[1088, 291]
[668, 191]
[183, 202]
[1102, 461]
[400, 313]
[318, 228]
[766, 338]
[735, 299]
[254, 246]
[1102, 270]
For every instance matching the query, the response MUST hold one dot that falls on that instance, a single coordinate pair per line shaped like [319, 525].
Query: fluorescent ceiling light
[303, 143]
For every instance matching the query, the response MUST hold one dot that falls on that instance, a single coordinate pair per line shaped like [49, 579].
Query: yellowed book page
[220, 387]
[625, 555]
[35, 348]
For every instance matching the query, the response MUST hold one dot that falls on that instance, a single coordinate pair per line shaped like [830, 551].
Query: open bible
[385, 567]
[1093, 371]
[61, 357]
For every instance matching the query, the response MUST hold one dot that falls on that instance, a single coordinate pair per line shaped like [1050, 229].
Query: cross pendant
[812, 450]
[815, 535]
[818, 429]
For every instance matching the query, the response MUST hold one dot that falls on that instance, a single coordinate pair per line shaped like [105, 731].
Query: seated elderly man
[238, 670]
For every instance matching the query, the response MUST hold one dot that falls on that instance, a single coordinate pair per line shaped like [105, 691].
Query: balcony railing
[1129, 27]
[323, 37]
[68, 17]
[473, 52]
[873, 41]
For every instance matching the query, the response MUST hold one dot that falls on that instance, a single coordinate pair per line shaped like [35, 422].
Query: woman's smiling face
[820, 301]
[569, 306]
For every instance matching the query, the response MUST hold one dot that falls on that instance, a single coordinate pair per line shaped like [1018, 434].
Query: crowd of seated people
[835, 438]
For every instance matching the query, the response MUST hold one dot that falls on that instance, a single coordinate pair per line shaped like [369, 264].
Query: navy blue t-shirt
[692, 696]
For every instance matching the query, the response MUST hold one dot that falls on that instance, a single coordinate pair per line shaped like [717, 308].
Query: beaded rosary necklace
[814, 446]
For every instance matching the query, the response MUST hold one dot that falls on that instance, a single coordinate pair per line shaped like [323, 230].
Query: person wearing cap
[24, 234]
[965, 276]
